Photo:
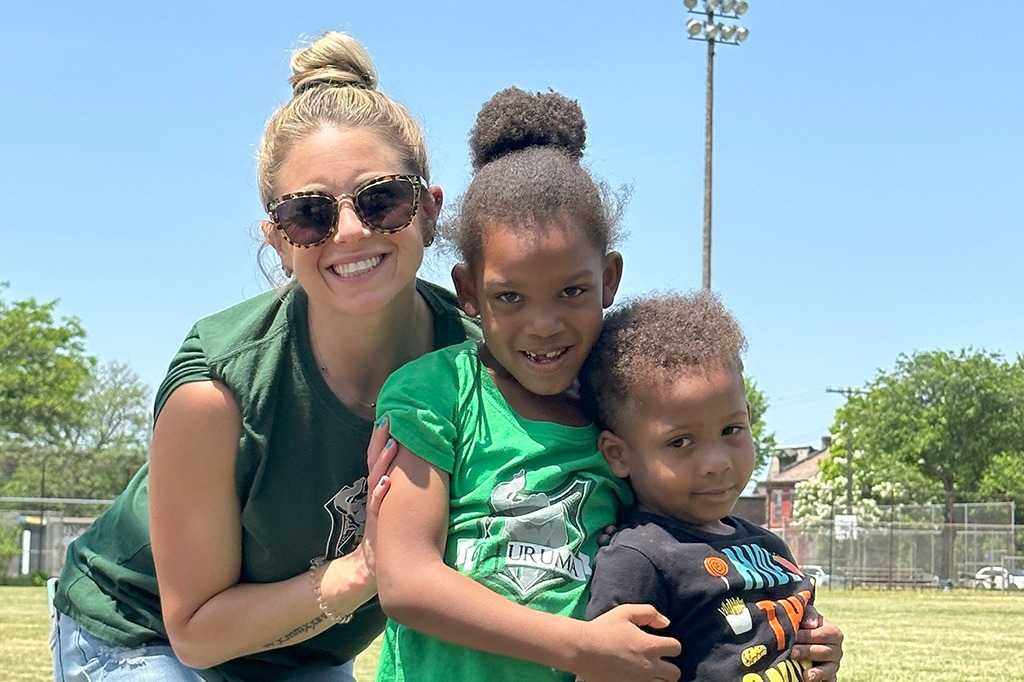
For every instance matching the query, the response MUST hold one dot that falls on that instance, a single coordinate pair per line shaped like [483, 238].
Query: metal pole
[706, 280]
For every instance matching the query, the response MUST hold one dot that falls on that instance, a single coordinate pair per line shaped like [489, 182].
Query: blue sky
[869, 162]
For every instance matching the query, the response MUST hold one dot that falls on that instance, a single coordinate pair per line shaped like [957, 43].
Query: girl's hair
[526, 151]
[652, 339]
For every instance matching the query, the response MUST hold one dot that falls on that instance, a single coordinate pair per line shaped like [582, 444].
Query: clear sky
[869, 161]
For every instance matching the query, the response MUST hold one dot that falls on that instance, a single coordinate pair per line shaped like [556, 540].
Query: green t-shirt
[527, 502]
[300, 477]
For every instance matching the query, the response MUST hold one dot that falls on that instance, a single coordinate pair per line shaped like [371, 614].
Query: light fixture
[714, 33]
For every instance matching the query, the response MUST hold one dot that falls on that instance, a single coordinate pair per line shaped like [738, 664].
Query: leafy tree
[936, 424]
[764, 440]
[43, 367]
[94, 456]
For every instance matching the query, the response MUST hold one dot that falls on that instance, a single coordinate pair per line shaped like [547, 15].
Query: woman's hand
[819, 641]
[380, 453]
[616, 648]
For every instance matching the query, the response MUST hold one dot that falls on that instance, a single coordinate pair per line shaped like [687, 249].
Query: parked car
[999, 578]
[821, 576]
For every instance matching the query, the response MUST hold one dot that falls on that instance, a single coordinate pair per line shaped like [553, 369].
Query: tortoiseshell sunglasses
[386, 204]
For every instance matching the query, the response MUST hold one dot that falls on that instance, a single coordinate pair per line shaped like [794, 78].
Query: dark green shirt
[300, 476]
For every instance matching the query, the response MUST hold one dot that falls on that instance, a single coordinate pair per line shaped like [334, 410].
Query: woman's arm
[440, 601]
[195, 523]
[820, 641]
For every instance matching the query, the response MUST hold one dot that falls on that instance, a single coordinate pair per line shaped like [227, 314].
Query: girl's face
[357, 270]
[540, 297]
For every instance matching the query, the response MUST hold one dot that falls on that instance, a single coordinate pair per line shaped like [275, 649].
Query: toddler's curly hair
[649, 339]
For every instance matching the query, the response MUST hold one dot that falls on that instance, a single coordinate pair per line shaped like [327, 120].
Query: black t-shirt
[734, 601]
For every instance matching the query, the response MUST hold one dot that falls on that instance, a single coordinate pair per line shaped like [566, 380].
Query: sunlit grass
[891, 636]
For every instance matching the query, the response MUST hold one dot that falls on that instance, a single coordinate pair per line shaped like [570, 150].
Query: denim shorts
[80, 657]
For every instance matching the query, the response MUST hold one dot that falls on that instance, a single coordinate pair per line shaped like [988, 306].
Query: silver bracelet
[317, 568]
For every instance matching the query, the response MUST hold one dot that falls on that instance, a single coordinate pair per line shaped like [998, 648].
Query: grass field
[896, 636]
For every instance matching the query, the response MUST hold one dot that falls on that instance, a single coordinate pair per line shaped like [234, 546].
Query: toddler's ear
[615, 452]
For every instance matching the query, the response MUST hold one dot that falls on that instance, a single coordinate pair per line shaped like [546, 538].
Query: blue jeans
[81, 657]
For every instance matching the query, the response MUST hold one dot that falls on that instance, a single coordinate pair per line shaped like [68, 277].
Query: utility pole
[847, 392]
[711, 31]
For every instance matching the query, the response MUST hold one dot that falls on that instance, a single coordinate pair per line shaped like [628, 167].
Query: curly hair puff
[526, 150]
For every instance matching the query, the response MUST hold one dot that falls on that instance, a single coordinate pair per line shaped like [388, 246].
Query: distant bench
[884, 576]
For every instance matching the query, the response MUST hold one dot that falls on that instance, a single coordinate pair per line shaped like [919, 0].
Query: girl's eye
[680, 442]
[508, 297]
[573, 292]
[731, 430]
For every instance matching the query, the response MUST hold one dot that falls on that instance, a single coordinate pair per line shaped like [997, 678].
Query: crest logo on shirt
[541, 533]
[348, 518]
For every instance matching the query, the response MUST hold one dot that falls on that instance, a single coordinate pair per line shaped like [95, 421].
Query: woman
[258, 461]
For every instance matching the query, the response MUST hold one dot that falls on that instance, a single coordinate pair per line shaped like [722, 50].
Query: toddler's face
[685, 445]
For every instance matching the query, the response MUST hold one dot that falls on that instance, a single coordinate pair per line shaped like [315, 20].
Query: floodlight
[728, 6]
[714, 6]
[694, 27]
[741, 34]
[741, 8]
[690, 4]
[712, 30]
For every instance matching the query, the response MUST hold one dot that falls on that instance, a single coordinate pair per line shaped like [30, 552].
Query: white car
[820, 575]
[999, 578]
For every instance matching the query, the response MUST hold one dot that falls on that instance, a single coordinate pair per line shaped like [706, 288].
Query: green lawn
[896, 636]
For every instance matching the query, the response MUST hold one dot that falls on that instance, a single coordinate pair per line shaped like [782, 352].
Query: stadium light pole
[712, 31]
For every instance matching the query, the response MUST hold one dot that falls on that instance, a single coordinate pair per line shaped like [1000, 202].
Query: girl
[498, 493]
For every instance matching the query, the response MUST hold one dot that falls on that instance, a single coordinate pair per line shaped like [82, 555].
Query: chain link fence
[35, 532]
[912, 546]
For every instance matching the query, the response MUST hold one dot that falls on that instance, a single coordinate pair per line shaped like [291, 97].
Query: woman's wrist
[346, 583]
[317, 570]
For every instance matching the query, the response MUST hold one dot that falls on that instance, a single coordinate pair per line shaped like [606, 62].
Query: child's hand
[617, 649]
[605, 538]
[821, 642]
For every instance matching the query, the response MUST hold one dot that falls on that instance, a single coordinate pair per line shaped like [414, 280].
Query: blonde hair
[334, 83]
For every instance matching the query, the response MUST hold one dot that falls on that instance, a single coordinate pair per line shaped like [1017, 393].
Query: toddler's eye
[680, 442]
[730, 430]
[573, 292]
[508, 297]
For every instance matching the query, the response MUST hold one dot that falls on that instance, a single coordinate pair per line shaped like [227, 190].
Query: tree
[95, 455]
[43, 367]
[764, 440]
[936, 423]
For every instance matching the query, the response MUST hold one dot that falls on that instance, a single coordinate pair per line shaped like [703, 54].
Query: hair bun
[514, 119]
[334, 60]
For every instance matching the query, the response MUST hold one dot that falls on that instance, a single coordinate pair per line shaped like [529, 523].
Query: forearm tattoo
[302, 629]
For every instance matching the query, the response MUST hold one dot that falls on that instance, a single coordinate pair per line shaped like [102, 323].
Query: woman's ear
[273, 237]
[611, 277]
[465, 289]
[432, 202]
[615, 452]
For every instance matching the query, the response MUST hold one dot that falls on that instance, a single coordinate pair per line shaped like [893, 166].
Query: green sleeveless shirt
[300, 476]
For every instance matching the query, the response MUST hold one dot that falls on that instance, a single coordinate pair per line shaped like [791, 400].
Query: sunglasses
[386, 204]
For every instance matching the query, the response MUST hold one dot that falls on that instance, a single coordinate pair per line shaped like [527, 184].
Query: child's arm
[418, 589]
